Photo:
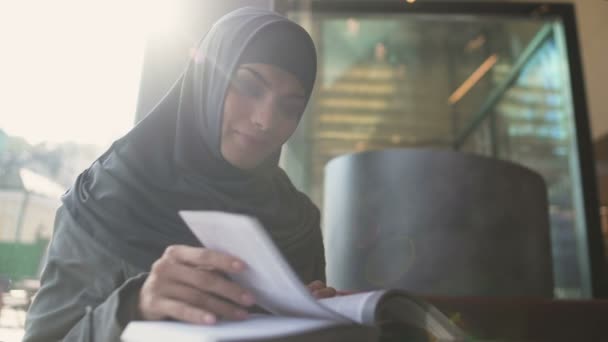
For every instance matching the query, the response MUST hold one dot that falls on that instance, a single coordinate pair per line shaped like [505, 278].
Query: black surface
[436, 222]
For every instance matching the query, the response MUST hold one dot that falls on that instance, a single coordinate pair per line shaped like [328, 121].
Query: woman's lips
[252, 139]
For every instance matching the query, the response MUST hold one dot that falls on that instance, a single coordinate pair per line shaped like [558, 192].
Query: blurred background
[77, 75]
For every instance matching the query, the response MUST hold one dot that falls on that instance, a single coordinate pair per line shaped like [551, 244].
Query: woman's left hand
[319, 290]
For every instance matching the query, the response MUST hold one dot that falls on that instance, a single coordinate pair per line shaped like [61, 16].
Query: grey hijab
[128, 199]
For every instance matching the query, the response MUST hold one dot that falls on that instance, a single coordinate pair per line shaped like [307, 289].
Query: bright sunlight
[71, 68]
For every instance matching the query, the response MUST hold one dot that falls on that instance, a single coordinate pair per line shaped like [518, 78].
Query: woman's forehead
[273, 77]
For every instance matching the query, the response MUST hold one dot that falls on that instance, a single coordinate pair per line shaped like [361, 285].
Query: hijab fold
[129, 197]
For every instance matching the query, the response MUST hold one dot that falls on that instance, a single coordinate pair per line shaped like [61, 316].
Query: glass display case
[501, 80]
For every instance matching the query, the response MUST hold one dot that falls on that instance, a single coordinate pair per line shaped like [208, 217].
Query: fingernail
[237, 265]
[247, 299]
[209, 319]
[241, 314]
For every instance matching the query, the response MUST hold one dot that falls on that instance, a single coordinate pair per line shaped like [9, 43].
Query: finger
[344, 293]
[183, 312]
[225, 288]
[205, 258]
[325, 293]
[204, 301]
[316, 285]
[204, 281]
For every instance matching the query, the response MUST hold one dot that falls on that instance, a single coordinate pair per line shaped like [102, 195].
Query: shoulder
[70, 244]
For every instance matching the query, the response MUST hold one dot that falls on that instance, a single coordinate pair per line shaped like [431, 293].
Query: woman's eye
[249, 88]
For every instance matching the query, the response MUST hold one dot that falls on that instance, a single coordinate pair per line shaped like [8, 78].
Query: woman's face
[262, 109]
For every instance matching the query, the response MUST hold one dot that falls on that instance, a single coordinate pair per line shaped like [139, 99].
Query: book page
[420, 314]
[359, 307]
[396, 306]
[268, 276]
[257, 326]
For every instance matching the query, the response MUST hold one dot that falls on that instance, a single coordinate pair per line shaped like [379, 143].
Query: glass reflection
[405, 80]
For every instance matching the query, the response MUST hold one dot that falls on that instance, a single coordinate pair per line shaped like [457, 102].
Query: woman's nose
[263, 116]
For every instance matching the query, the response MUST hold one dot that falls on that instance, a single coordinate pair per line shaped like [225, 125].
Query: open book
[392, 315]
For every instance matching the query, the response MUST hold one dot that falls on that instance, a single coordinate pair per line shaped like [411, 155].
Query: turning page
[268, 276]
[359, 307]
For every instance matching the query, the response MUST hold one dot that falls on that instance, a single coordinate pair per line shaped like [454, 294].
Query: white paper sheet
[268, 276]
[257, 326]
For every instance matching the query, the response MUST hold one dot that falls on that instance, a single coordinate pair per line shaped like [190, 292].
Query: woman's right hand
[188, 284]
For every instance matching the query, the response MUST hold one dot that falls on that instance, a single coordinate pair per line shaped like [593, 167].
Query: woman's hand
[188, 284]
[319, 290]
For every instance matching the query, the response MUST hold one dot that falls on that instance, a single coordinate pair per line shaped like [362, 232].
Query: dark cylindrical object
[436, 222]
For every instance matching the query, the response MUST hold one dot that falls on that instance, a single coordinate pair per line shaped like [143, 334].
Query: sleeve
[86, 294]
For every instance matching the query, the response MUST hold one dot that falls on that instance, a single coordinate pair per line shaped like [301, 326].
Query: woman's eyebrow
[258, 76]
[268, 84]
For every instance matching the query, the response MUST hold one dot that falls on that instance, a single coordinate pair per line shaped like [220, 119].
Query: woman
[119, 250]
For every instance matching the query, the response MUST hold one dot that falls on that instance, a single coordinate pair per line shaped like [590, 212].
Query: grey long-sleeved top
[80, 272]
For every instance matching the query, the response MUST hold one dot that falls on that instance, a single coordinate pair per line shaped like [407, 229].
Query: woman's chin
[243, 162]
[244, 158]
